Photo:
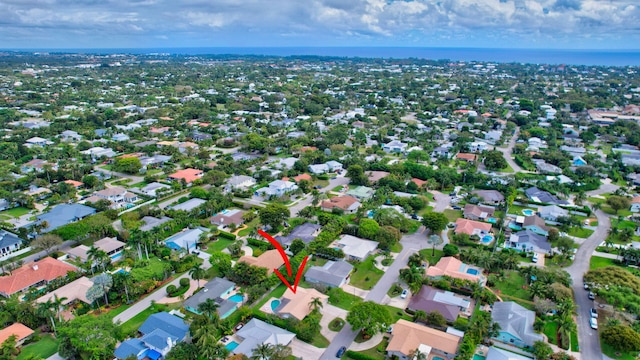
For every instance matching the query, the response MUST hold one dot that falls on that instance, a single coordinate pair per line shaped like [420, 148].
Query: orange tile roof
[418, 182]
[189, 175]
[28, 275]
[407, 336]
[74, 183]
[297, 305]
[450, 266]
[465, 226]
[270, 260]
[467, 157]
[302, 177]
[342, 202]
[19, 330]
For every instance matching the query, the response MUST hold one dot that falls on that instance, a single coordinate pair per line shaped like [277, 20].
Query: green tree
[436, 319]
[368, 228]
[274, 215]
[494, 160]
[371, 318]
[88, 337]
[46, 242]
[435, 222]
[618, 203]
[197, 272]
[542, 350]
[128, 165]
[356, 175]
[621, 338]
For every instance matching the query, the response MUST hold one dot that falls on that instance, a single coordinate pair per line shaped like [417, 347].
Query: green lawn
[551, 330]
[452, 215]
[426, 253]
[600, 262]
[512, 285]
[611, 353]
[342, 299]
[44, 348]
[580, 232]
[275, 293]
[376, 352]
[365, 274]
[15, 212]
[338, 188]
[508, 169]
[320, 341]
[218, 245]
[132, 325]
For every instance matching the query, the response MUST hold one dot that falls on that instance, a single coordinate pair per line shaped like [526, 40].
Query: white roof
[357, 247]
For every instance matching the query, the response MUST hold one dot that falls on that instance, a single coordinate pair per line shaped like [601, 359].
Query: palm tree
[565, 327]
[315, 304]
[580, 198]
[98, 256]
[197, 273]
[57, 305]
[125, 279]
[538, 289]
[209, 308]
[206, 340]
[263, 351]
[45, 310]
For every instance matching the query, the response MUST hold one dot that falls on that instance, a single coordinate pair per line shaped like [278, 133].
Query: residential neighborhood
[414, 209]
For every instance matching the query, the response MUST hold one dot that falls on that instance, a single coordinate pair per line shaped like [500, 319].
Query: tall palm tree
[565, 327]
[56, 303]
[209, 308]
[197, 272]
[125, 279]
[45, 310]
[417, 355]
[262, 352]
[315, 304]
[206, 340]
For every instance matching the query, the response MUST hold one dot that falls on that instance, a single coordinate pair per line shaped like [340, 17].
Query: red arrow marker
[276, 244]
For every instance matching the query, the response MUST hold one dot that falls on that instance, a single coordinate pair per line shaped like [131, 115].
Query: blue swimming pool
[120, 271]
[487, 239]
[172, 245]
[116, 256]
[491, 220]
[237, 298]
[274, 305]
[472, 271]
[479, 357]
[513, 226]
[232, 345]
[528, 212]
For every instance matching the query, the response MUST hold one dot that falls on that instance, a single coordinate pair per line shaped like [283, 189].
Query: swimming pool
[172, 245]
[513, 226]
[370, 214]
[492, 221]
[237, 298]
[436, 358]
[232, 345]
[479, 357]
[487, 239]
[274, 305]
[120, 271]
[116, 256]
[528, 212]
[472, 271]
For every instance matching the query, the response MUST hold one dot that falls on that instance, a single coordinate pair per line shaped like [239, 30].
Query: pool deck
[266, 308]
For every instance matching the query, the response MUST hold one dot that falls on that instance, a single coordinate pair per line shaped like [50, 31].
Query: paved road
[506, 152]
[587, 338]
[606, 188]
[442, 201]
[39, 255]
[410, 244]
[134, 179]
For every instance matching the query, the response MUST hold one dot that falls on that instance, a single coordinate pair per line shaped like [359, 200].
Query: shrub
[226, 235]
[171, 289]
[357, 356]
[184, 282]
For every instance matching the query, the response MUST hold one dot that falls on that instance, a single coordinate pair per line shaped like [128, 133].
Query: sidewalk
[349, 289]
[374, 341]
[605, 255]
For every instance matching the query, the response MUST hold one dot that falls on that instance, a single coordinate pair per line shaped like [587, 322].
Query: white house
[395, 146]
[152, 188]
[478, 146]
[635, 204]
[239, 182]
[277, 188]
[552, 212]
[9, 243]
[356, 248]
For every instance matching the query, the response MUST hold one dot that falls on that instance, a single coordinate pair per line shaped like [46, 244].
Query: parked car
[456, 207]
[534, 258]
[594, 323]
[594, 313]
[592, 296]
[341, 352]
[404, 294]
[586, 286]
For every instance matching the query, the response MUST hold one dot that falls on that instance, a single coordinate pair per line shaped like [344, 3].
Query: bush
[262, 245]
[184, 282]
[171, 289]
[357, 356]
[226, 235]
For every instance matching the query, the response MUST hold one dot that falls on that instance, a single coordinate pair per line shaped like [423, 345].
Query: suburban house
[151, 189]
[38, 141]
[543, 197]
[70, 293]
[5, 205]
[635, 204]
[21, 332]
[408, 336]
[277, 188]
[228, 217]
[472, 227]
[188, 205]
[478, 146]
[492, 197]
[188, 175]
[331, 274]
[70, 135]
[533, 223]
[297, 305]
[478, 212]
[269, 260]
[33, 274]
[495, 353]
[348, 204]
[329, 166]
[218, 290]
[306, 232]
[452, 267]
[117, 195]
[63, 214]
[150, 222]
[467, 157]
[449, 304]
[37, 165]
[516, 324]
[442, 152]
[75, 184]
[527, 240]
[356, 248]
[395, 146]
[110, 245]
[301, 177]
[9, 243]
[160, 333]
[552, 212]
[185, 240]
[375, 176]
[361, 193]
[257, 332]
[239, 183]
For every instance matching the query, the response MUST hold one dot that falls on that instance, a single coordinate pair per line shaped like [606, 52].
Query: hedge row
[357, 356]
[262, 245]
[226, 235]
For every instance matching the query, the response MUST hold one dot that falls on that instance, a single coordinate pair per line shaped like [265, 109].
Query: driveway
[303, 350]
[441, 201]
[330, 312]
[588, 339]
[134, 179]
[410, 244]
[606, 188]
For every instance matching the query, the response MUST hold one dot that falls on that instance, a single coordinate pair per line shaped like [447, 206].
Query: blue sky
[557, 24]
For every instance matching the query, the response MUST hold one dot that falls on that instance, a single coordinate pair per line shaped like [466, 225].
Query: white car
[594, 323]
[404, 294]
[534, 258]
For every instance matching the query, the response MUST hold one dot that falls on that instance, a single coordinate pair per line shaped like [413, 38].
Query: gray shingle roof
[516, 320]
[8, 239]
[172, 325]
[213, 290]
[332, 273]
[64, 214]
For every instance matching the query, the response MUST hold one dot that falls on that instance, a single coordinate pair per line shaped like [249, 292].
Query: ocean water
[531, 56]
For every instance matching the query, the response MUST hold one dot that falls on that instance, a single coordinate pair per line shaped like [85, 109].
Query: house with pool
[527, 240]
[452, 267]
[257, 332]
[297, 305]
[219, 290]
[186, 240]
[160, 333]
[516, 324]
[110, 245]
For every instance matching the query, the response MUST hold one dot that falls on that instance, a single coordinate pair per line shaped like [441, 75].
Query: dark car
[341, 352]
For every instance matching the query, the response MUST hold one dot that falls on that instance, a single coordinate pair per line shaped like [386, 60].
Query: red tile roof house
[346, 203]
[188, 175]
[21, 332]
[33, 274]
[471, 227]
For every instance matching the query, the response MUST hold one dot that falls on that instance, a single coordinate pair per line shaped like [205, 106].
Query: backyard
[43, 348]
[14, 213]
[512, 286]
[600, 262]
[131, 326]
